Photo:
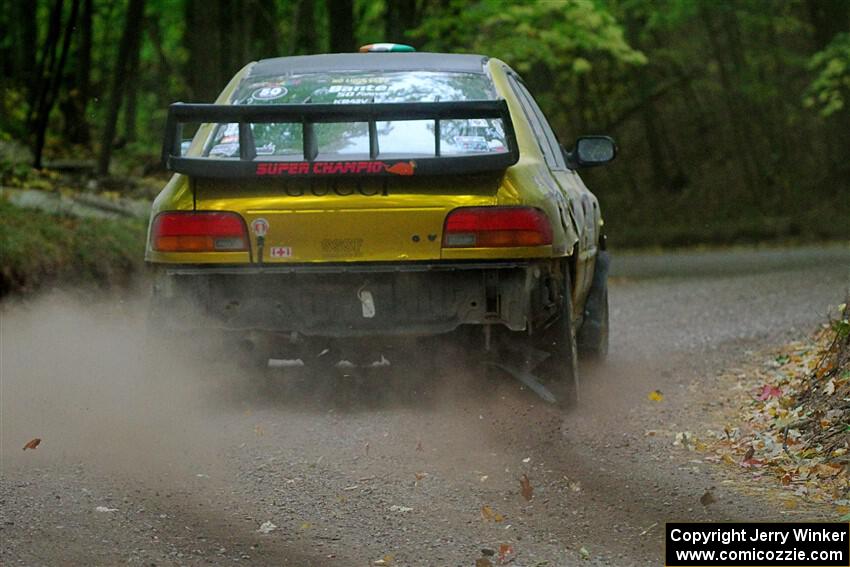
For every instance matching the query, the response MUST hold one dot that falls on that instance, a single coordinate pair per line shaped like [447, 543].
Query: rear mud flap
[531, 358]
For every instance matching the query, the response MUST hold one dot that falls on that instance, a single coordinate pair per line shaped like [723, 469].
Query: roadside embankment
[39, 248]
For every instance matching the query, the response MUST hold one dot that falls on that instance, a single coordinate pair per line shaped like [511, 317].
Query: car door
[583, 206]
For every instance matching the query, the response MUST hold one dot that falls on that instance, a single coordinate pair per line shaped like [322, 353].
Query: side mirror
[591, 151]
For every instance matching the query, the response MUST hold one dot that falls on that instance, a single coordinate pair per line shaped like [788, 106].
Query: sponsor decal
[360, 80]
[280, 252]
[333, 186]
[402, 168]
[227, 149]
[260, 226]
[340, 89]
[269, 93]
[334, 168]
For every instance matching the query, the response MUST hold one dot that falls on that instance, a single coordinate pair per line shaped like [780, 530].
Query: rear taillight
[199, 232]
[495, 227]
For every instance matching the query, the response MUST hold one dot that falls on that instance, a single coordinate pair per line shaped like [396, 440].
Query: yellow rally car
[328, 198]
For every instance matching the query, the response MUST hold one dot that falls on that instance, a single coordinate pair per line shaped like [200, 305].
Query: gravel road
[159, 461]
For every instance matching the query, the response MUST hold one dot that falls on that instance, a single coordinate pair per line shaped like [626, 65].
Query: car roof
[389, 62]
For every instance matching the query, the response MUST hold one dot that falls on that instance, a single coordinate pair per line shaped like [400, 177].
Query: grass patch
[38, 249]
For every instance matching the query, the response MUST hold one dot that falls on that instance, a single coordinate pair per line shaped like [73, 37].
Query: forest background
[732, 117]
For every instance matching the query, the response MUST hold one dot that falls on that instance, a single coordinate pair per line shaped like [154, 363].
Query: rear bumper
[348, 300]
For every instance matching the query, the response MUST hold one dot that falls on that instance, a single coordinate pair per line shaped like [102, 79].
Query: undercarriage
[360, 300]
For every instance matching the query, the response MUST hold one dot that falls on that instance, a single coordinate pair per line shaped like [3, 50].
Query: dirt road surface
[153, 460]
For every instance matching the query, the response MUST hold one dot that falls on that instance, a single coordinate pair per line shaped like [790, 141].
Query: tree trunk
[45, 63]
[267, 41]
[22, 20]
[53, 82]
[736, 117]
[131, 88]
[305, 37]
[75, 105]
[201, 40]
[129, 41]
[341, 20]
[164, 69]
[400, 16]
[828, 17]
[230, 15]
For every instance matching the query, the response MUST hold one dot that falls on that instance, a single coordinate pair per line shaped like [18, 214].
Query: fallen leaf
[707, 498]
[32, 444]
[505, 551]
[585, 554]
[655, 396]
[491, 515]
[749, 454]
[483, 562]
[267, 527]
[769, 391]
[420, 476]
[526, 489]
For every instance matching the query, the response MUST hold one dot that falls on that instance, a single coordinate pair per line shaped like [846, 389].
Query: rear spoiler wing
[249, 165]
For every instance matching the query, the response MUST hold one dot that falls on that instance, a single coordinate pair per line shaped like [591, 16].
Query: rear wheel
[560, 369]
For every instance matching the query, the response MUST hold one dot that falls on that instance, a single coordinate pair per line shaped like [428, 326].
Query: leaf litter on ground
[794, 424]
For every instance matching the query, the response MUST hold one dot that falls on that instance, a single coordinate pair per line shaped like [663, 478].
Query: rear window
[396, 139]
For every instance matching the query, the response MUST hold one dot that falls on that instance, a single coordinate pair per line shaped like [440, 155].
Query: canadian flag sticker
[280, 252]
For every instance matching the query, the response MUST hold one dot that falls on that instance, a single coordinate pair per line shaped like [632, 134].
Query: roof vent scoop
[386, 48]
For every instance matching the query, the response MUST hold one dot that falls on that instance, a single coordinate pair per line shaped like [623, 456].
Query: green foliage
[563, 35]
[841, 328]
[37, 248]
[831, 88]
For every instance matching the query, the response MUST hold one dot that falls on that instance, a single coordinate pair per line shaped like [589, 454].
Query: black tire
[593, 335]
[560, 371]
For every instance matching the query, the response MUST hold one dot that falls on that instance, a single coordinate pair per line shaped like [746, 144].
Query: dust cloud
[81, 375]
